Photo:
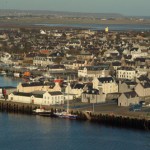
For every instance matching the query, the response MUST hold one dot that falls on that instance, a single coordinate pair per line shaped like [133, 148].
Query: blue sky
[126, 7]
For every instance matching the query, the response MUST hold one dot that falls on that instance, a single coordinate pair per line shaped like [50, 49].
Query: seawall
[107, 119]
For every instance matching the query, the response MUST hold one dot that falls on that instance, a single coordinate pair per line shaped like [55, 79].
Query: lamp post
[93, 107]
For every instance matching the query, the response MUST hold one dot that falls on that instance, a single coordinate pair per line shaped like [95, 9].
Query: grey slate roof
[146, 85]
[28, 94]
[105, 79]
[78, 86]
[55, 93]
[131, 94]
[36, 84]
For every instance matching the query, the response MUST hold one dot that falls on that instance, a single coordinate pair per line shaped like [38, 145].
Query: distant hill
[12, 12]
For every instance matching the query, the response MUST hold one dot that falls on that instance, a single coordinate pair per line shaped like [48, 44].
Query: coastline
[142, 122]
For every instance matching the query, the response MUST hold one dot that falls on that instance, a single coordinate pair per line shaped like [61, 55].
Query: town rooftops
[56, 66]
[105, 79]
[29, 84]
[126, 68]
[116, 63]
[144, 79]
[92, 91]
[94, 68]
[38, 95]
[79, 86]
[130, 83]
[131, 94]
[146, 84]
[55, 93]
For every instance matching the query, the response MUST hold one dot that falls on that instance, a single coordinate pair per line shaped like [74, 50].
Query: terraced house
[107, 84]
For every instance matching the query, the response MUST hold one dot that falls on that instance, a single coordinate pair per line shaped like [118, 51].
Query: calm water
[112, 27]
[24, 132]
[6, 81]
[21, 132]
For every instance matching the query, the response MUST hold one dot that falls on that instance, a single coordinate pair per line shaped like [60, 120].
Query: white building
[128, 98]
[93, 71]
[126, 73]
[136, 52]
[75, 89]
[93, 96]
[107, 84]
[42, 61]
[38, 97]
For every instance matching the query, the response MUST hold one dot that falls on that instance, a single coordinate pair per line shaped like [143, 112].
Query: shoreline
[83, 26]
[141, 123]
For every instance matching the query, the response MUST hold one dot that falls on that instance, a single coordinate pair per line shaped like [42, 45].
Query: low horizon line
[58, 11]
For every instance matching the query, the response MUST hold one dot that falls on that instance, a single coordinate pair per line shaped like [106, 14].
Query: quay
[115, 120]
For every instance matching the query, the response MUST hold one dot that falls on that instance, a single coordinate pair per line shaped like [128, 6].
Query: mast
[68, 96]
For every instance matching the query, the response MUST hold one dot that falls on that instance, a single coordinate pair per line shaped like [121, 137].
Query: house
[38, 97]
[84, 55]
[143, 89]
[143, 79]
[143, 86]
[142, 70]
[56, 68]
[116, 65]
[76, 89]
[74, 43]
[38, 86]
[136, 52]
[93, 96]
[79, 63]
[107, 84]
[94, 71]
[42, 60]
[126, 86]
[29, 98]
[126, 73]
[128, 98]
[53, 98]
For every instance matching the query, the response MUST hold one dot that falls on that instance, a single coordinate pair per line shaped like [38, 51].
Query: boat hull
[66, 115]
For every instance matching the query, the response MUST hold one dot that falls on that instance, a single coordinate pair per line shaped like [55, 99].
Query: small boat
[42, 112]
[16, 74]
[65, 115]
[2, 73]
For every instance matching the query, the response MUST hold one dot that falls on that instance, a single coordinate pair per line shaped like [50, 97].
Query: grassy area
[62, 20]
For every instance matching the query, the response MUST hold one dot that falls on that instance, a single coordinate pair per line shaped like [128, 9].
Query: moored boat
[41, 111]
[2, 73]
[65, 115]
[16, 74]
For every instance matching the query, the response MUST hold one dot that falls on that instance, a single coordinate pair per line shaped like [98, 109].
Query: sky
[124, 7]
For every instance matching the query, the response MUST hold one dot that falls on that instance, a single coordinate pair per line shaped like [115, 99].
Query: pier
[101, 118]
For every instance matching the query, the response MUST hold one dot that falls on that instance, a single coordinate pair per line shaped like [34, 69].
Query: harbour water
[22, 132]
[25, 132]
[112, 27]
[7, 81]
